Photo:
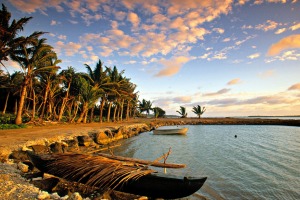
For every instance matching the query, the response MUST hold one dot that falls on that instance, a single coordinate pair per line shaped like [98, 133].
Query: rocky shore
[15, 170]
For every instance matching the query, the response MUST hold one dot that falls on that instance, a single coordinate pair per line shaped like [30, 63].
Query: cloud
[69, 49]
[295, 87]
[279, 31]
[134, 19]
[62, 37]
[182, 99]
[219, 30]
[234, 81]
[220, 92]
[172, 66]
[53, 23]
[289, 42]
[253, 56]
[31, 6]
[267, 26]
[295, 27]
[267, 74]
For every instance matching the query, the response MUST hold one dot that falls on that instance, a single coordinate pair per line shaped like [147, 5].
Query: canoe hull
[173, 131]
[154, 185]
[163, 186]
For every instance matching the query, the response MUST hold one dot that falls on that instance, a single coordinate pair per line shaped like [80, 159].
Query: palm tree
[100, 77]
[9, 39]
[89, 95]
[198, 111]
[158, 112]
[145, 106]
[67, 76]
[182, 112]
[32, 59]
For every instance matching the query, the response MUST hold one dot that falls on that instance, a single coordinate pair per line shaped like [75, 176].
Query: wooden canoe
[105, 173]
[170, 131]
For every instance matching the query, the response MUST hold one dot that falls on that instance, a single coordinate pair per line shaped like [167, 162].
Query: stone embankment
[15, 186]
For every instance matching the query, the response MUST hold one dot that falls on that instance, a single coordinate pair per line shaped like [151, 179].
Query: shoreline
[46, 134]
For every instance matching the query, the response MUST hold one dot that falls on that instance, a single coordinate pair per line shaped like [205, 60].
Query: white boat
[170, 131]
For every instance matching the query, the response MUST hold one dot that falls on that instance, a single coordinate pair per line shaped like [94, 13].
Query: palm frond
[94, 171]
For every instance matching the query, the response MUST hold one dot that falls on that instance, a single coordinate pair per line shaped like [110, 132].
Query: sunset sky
[236, 58]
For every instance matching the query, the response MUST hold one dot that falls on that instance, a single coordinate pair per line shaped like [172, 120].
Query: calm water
[263, 162]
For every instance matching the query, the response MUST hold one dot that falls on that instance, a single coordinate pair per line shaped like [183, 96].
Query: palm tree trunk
[115, 112]
[18, 119]
[101, 109]
[33, 105]
[63, 105]
[121, 110]
[108, 112]
[127, 110]
[16, 107]
[44, 102]
[5, 105]
[84, 110]
[92, 114]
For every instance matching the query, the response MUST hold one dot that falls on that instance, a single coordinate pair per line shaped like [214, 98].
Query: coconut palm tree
[145, 106]
[198, 110]
[67, 76]
[182, 112]
[89, 96]
[32, 59]
[9, 39]
[101, 78]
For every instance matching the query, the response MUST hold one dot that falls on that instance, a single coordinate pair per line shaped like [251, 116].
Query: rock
[43, 195]
[40, 149]
[46, 184]
[18, 155]
[56, 147]
[72, 145]
[101, 138]
[55, 196]
[84, 140]
[75, 196]
[24, 168]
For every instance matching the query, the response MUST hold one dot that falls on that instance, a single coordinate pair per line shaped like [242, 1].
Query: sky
[234, 57]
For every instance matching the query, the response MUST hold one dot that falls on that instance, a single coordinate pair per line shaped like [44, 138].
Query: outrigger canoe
[170, 131]
[104, 173]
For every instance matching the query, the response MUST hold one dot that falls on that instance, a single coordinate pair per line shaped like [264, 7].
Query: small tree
[182, 112]
[198, 110]
[158, 112]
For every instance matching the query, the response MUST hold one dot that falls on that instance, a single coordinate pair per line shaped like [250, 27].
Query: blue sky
[236, 58]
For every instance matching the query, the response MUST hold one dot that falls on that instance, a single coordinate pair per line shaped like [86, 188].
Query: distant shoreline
[274, 116]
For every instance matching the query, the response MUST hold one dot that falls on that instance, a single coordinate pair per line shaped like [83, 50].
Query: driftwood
[104, 148]
[143, 162]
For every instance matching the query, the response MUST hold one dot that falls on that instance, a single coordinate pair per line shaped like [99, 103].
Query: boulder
[18, 155]
[24, 168]
[84, 140]
[56, 147]
[102, 138]
[40, 149]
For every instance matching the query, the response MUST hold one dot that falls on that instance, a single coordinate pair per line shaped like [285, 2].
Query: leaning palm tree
[9, 39]
[89, 94]
[32, 59]
[198, 110]
[182, 112]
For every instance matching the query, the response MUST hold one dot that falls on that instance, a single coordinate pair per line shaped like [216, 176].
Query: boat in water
[170, 131]
[108, 174]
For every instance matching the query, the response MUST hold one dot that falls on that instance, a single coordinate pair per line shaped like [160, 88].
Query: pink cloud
[289, 42]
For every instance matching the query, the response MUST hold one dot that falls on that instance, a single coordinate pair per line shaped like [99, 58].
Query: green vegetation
[198, 110]
[182, 112]
[41, 92]
[158, 112]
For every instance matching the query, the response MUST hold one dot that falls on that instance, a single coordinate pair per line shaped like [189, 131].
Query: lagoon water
[263, 162]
